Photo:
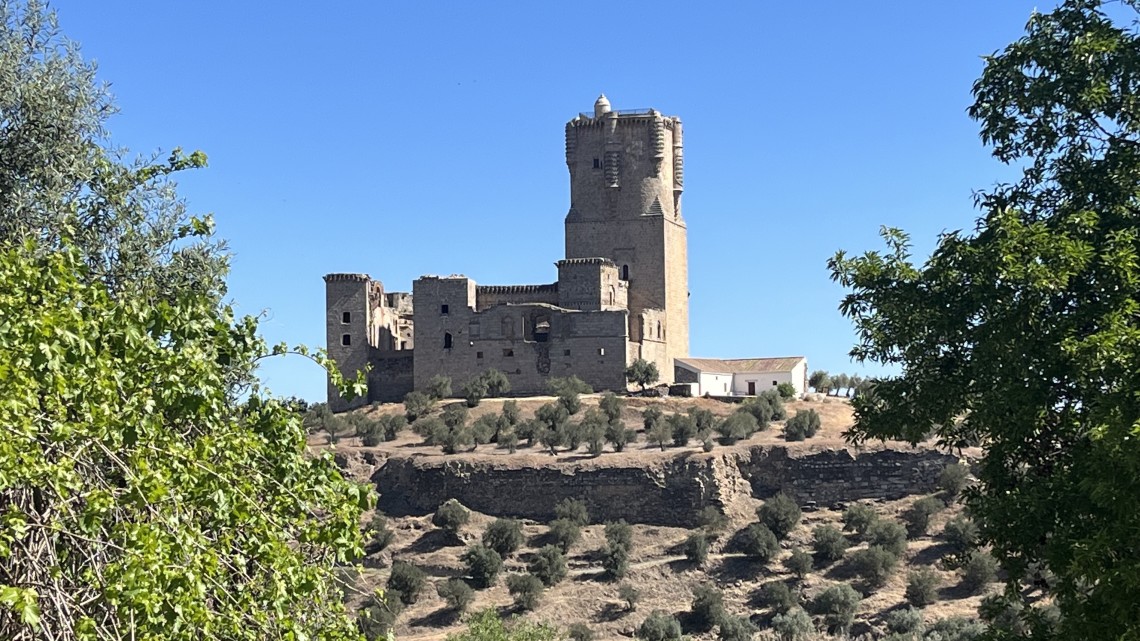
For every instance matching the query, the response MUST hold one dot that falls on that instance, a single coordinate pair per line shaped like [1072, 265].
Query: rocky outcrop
[661, 490]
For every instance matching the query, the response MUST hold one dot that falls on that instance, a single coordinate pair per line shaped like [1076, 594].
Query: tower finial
[602, 106]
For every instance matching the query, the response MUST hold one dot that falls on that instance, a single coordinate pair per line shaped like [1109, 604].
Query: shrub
[772, 398]
[572, 435]
[373, 437]
[393, 424]
[483, 565]
[530, 430]
[837, 605]
[954, 629]
[549, 565]
[696, 547]
[786, 390]
[509, 440]
[759, 409]
[615, 560]
[454, 415]
[759, 543]
[793, 625]
[378, 535]
[859, 518]
[511, 412]
[525, 589]
[620, 435]
[903, 621]
[619, 533]
[922, 587]
[474, 391]
[573, 510]
[456, 593]
[917, 516]
[711, 520]
[708, 444]
[708, 607]
[611, 405]
[439, 387]
[453, 439]
[417, 405]
[497, 383]
[408, 580]
[799, 563]
[874, 565]
[777, 596]
[651, 416]
[781, 514]
[661, 434]
[682, 427]
[980, 570]
[565, 533]
[486, 428]
[503, 536]
[630, 595]
[568, 390]
[450, 517]
[804, 425]
[378, 615]
[703, 419]
[737, 427]
[734, 628]
[659, 626]
[954, 479]
[888, 535]
[960, 534]
[580, 632]
[828, 543]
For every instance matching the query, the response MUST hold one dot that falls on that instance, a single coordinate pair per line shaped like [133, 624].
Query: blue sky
[410, 138]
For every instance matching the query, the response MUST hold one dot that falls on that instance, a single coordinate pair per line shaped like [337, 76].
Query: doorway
[752, 388]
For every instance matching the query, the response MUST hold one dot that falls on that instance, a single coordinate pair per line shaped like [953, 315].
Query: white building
[741, 376]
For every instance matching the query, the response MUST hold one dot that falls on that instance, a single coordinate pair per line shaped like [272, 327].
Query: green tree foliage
[549, 565]
[497, 383]
[922, 587]
[439, 387]
[474, 390]
[378, 614]
[509, 439]
[917, 516]
[780, 514]
[712, 520]
[619, 435]
[703, 419]
[526, 590]
[483, 565]
[378, 535]
[615, 561]
[979, 571]
[407, 580]
[837, 605]
[659, 626]
[903, 622]
[793, 625]
[828, 543]
[804, 425]
[707, 608]
[859, 518]
[737, 426]
[758, 542]
[630, 595]
[487, 625]
[504, 536]
[573, 510]
[568, 391]
[651, 417]
[953, 479]
[820, 381]
[889, 535]
[766, 407]
[456, 593]
[1026, 328]
[619, 534]
[696, 547]
[960, 534]
[451, 516]
[611, 404]
[660, 433]
[593, 430]
[511, 413]
[565, 533]
[786, 390]
[682, 427]
[734, 628]
[798, 563]
[874, 565]
[642, 373]
[417, 405]
[454, 415]
[487, 428]
[134, 442]
[777, 596]
[580, 632]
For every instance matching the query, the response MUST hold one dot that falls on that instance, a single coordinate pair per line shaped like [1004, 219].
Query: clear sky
[410, 138]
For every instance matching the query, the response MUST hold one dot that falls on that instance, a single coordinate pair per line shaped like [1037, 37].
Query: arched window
[625, 272]
[447, 340]
[613, 295]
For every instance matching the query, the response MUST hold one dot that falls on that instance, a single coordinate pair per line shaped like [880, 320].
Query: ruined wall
[487, 296]
[670, 490]
[391, 376]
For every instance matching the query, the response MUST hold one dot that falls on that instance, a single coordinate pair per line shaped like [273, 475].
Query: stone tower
[626, 177]
[348, 323]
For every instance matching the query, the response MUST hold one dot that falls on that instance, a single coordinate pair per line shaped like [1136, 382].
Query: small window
[601, 351]
[597, 163]
[346, 317]
[403, 344]
[478, 354]
[625, 272]
[447, 340]
[508, 352]
[346, 339]
[443, 310]
[565, 352]
[775, 384]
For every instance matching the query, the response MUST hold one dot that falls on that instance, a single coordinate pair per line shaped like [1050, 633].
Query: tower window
[625, 272]
[346, 317]
[443, 310]
[565, 352]
[447, 340]
[597, 163]
[508, 352]
[346, 339]
[601, 351]
[658, 329]
[478, 354]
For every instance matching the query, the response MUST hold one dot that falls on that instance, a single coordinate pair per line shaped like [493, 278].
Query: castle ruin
[621, 293]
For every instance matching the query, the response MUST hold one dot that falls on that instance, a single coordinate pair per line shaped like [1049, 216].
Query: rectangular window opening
[601, 351]
[346, 339]
[565, 352]
[443, 310]
[478, 354]
[597, 163]
[346, 317]
[508, 352]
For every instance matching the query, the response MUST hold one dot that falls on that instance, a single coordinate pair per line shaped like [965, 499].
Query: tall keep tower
[626, 178]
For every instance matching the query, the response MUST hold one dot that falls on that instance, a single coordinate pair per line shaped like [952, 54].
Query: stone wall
[667, 490]
[391, 376]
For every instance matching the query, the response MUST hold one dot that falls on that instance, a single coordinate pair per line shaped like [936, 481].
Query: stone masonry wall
[668, 491]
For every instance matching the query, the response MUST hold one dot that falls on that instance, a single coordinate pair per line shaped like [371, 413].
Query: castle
[621, 294]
